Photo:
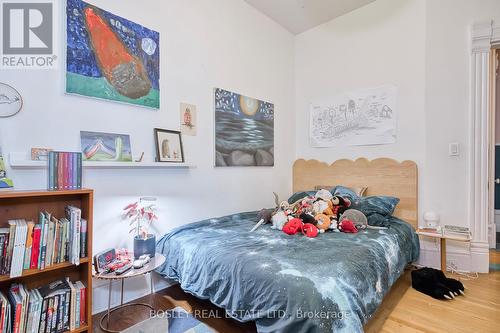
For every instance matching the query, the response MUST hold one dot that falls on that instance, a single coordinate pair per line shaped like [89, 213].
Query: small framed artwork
[168, 146]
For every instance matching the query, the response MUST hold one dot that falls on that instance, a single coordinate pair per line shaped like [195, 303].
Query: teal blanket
[332, 283]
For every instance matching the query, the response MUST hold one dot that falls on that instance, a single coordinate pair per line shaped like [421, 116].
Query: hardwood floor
[403, 310]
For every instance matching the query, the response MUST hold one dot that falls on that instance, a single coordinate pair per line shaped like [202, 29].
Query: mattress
[332, 283]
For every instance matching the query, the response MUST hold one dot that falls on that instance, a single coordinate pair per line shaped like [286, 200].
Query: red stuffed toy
[310, 230]
[293, 226]
[348, 227]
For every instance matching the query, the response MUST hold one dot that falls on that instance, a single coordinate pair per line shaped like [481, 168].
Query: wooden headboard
[382, 176]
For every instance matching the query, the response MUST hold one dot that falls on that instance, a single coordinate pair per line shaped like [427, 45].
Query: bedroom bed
[332, 283]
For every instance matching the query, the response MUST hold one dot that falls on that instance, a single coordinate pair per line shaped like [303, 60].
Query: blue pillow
[343, 191]
[300, 195]
[383, 205]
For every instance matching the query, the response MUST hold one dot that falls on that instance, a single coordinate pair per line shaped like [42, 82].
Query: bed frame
[382, 176]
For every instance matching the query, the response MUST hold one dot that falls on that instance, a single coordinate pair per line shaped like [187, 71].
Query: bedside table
[443, 239]
[155, 262]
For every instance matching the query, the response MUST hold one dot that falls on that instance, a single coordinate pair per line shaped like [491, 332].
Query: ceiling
[298, 16]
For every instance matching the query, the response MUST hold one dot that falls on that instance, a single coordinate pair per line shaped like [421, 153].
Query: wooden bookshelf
[27, 205]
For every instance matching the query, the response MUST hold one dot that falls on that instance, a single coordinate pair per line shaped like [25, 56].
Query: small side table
[443, 239]
[155, 262]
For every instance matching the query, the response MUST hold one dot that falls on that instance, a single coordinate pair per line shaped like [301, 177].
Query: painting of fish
[110, 57]
[108, 147]
[244, 130]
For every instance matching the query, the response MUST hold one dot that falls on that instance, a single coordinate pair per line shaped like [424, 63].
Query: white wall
[381, 43]
[204, 44]
[423, 48]
[448, 107]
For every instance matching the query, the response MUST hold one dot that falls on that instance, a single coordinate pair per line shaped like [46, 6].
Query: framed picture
[168, 146]
[109, 147]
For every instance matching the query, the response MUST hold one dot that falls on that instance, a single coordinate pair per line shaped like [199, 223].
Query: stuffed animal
[324, 195]
[359, 219]
[340, 205]
[307, 218]
[279, 219]
[323, 222]
[347, 226]
[264, 216]
[293, 226]
[309, 230]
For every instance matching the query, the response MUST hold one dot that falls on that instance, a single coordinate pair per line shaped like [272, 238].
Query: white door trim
[484, 35]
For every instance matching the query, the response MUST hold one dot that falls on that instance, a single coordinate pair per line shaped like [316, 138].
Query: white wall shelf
[20, 161]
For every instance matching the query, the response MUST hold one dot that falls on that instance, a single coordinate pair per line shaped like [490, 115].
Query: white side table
[443, 239]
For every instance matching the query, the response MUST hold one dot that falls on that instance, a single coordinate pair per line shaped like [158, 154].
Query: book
[82, 290]
[18, 251]
[457, 232]
[29, 245]
[83, 238]
[35, 251]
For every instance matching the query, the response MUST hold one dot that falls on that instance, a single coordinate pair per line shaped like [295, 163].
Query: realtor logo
[27, 34]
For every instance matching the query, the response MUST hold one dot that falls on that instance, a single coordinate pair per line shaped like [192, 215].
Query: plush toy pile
[313, 215]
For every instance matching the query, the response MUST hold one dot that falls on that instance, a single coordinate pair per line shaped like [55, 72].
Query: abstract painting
[108, 147]
[110, 57]
[244, 130]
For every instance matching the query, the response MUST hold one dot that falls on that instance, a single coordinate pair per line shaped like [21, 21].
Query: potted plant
[140, 215]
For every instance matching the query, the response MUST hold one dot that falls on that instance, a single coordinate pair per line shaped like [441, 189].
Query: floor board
[403, 310]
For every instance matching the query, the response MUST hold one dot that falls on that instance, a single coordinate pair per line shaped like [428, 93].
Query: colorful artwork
[105, 147]
[188, 119]
[111, 57]
[244, 130]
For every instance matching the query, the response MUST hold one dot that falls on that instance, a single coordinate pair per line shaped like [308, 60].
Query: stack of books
[65, 170]
[57, 307]
[26, 245]
[457, 232]
[429, 231]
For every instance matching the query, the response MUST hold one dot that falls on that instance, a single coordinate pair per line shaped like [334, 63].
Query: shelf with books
[30, 272]
[66, 275]
[20, 161]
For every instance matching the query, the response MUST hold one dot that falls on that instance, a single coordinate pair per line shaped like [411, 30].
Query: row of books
[65, 170]
[26, 245]
[54, 308]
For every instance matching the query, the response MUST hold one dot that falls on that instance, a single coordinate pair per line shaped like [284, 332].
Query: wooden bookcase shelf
[27, 205]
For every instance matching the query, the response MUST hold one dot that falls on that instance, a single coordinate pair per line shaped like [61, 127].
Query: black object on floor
[434, 283]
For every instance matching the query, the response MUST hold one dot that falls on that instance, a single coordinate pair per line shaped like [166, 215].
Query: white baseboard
[459, 258]
[133, 289]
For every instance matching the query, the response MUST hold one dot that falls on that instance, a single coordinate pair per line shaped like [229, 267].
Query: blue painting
[244, 130]
[110, 57]
[109, 147]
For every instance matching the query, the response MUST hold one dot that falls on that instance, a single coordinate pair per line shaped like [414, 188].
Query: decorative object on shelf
[110, 57]
[140, 215]
[189, 119]
[168, 146]
[4, 181]
[40, 154]
[140, 158]
[98, 146]
[244, 130]
[11, 101]
[65, 171]
[360, 117]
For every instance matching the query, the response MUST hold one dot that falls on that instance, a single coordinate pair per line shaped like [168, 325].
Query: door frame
[484, 35]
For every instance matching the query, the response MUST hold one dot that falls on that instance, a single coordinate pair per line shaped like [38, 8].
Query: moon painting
[244, 130]
[110, 57]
